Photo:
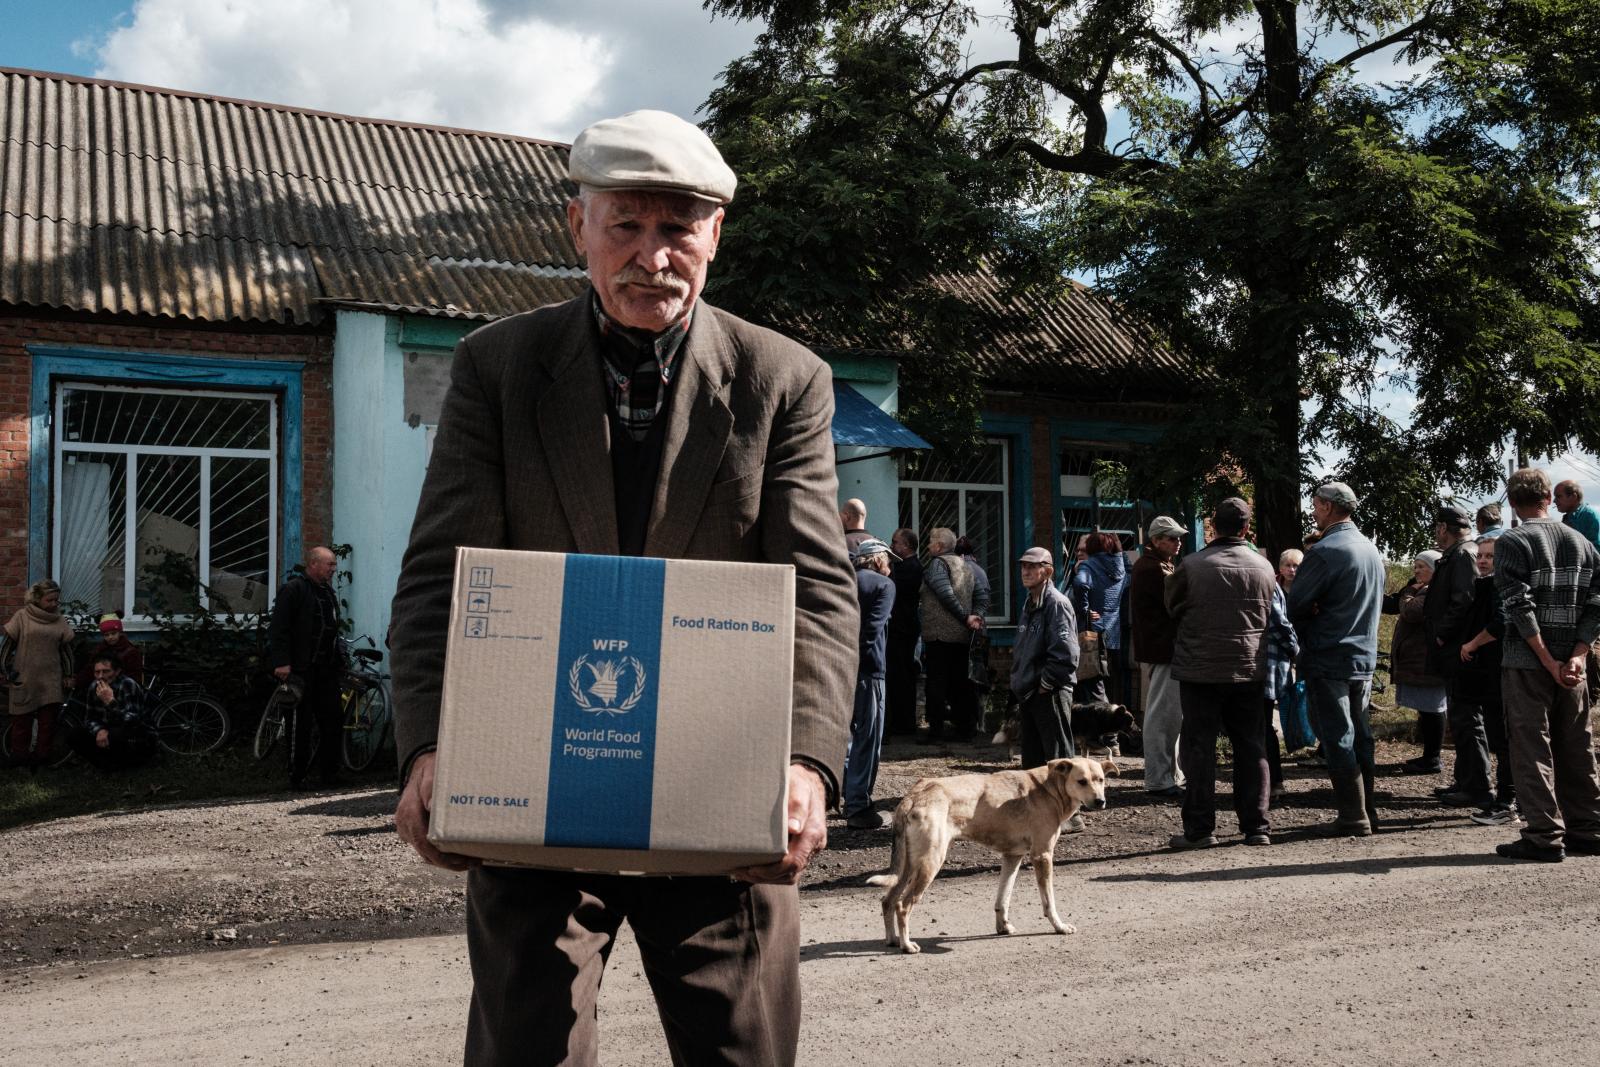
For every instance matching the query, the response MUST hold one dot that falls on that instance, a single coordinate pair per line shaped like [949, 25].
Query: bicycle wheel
[68, 719]
[191, 725]
[366, 724]
[274, 723]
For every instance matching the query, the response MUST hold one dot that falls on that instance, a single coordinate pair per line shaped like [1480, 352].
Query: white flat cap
[650, 150]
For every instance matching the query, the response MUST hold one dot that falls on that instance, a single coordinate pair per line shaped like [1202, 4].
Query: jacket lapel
[572, 418]
[699, 424]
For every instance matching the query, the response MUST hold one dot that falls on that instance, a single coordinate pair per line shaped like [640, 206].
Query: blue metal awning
[859, 422]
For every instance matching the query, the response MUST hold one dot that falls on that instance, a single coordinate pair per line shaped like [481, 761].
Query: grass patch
[75, 788]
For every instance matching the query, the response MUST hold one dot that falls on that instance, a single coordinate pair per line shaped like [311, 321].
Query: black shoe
[1463, 799]
[1180, 843]
[868, 819]
[1169, 791]
[1583, 846]
[1523, 849]
[1441, 790]
[1421, 766]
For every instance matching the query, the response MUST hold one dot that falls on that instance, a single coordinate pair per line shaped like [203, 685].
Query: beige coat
[521, 460]
[43, 658]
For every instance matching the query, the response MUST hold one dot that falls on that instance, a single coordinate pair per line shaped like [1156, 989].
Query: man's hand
[1571, 674]
[808, 830]
[103, 693]
[281, 673]
[974, 622]
[1467, 650]
[411, 816]
[103, 738]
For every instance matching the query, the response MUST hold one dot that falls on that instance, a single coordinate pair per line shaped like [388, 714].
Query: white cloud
[452, 62]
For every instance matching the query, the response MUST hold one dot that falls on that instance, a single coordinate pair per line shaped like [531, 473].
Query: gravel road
[296, 930]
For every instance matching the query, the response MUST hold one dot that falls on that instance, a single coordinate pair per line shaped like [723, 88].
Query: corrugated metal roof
[128, 198]
[1072, 342]
[134, 199]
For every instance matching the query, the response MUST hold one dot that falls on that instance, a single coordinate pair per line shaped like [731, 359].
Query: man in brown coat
[1221, 598]
[636, 420]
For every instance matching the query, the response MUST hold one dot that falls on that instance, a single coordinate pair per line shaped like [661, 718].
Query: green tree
[1298, 231]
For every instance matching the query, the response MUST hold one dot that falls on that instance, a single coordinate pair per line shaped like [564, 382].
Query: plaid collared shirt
[638, 367]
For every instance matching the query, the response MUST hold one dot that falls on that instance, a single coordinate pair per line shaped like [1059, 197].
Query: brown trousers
[1552, 763]
[722, 958]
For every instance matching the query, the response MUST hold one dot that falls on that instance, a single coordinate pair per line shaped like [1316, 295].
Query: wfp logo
[604, 680]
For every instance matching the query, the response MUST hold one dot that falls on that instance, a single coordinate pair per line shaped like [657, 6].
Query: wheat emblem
[606, 683]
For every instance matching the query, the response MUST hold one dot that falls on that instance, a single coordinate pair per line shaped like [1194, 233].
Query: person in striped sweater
[1548, 576]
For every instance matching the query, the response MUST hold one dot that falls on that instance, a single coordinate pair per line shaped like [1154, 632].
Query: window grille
[152, 485]
[972, 496]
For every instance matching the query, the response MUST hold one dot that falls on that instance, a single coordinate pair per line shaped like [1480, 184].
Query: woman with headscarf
[1096, 596]
[1408, 664]
[36, 655]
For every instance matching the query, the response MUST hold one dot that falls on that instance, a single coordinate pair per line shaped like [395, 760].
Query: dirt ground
[292, 931]
[318, 868]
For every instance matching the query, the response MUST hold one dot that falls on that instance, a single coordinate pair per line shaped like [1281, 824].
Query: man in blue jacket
[1334, 604]
[875, 592]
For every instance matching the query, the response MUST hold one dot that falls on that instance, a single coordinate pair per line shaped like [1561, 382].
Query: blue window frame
[196, 473]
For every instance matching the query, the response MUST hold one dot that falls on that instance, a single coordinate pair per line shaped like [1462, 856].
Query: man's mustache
[661, 279]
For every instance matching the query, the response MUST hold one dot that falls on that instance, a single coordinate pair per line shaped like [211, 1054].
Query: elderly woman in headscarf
[36, 656]
[1408, 664]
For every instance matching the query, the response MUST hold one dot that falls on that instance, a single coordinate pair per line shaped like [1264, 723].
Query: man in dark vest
[636, 420]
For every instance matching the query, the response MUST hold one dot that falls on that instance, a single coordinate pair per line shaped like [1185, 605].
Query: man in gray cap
[1044, 662]
[1221, 598]
[636, 420]
[875, 593]
[1447, 624]
[1153, 634]
[1334, 604]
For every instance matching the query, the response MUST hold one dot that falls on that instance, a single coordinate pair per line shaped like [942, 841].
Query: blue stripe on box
[602, 751]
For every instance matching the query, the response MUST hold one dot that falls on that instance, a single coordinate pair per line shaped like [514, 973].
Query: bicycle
[187, 720]
[368, 714]
[364, 706]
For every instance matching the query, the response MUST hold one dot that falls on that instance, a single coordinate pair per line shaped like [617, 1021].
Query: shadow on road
[359, 805]
[1371, 865]
[936, 944]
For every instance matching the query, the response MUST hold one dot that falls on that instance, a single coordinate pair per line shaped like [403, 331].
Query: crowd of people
[1493, 640]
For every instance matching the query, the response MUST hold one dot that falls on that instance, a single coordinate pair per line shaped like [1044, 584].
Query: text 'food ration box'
[611, 713]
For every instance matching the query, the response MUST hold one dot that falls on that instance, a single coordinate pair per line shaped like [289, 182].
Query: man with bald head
[303, 639]
[853, 517]
[637, 420]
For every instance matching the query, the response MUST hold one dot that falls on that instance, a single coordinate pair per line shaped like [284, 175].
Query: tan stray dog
[1019, 814]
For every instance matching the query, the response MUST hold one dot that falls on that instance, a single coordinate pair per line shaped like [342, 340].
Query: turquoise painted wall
[875, 481]
[380, 458]
[378, 462]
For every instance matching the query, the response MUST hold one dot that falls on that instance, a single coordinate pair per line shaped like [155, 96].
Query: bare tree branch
[1403, 35]
[1096, 163]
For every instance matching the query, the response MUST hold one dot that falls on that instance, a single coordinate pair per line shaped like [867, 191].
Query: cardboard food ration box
[612, 713]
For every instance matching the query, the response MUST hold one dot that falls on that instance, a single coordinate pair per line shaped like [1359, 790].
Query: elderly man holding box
[636, 420]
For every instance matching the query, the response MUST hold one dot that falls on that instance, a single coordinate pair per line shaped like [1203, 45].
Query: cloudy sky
[539, 68]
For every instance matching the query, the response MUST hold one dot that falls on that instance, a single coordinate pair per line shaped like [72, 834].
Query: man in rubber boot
[1334, 604]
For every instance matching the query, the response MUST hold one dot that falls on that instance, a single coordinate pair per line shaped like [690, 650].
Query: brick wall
[19, 329]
